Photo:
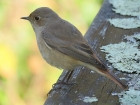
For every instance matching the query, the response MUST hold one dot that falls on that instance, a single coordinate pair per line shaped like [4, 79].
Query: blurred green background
[25, 78]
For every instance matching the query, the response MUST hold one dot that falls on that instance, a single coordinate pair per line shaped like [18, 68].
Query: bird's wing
[72, 45]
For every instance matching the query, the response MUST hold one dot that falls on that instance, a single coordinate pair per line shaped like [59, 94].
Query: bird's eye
[37, 18]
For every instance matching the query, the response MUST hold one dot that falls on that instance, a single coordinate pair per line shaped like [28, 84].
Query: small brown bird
[63, 46]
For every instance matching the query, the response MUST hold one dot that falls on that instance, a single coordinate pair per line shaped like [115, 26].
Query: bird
[63, 46]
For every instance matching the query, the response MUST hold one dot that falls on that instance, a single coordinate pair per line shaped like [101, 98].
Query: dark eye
[37, 18]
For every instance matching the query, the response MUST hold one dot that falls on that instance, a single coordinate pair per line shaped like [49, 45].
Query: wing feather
[79, 52]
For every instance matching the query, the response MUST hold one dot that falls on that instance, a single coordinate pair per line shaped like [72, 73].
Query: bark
[100, 33]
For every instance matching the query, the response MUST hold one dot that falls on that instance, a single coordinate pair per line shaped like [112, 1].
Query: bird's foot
[60, 85]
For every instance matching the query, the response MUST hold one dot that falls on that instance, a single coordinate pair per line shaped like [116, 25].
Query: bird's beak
[26, 18]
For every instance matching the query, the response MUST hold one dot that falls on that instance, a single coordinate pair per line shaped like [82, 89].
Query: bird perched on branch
[62, 45]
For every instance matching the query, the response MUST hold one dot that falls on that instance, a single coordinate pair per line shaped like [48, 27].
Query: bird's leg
[65, 79]
[60, 83]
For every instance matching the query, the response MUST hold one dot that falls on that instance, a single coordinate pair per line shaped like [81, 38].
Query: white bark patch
[126, 23]
[124, 56]
[132, 95]
[126, 7]
[90, 99]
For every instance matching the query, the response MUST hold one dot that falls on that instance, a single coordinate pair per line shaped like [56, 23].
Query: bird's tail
[113, 77]
[107, 73]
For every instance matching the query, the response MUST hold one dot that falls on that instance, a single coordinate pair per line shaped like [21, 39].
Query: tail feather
[107, 73]
[116, 80]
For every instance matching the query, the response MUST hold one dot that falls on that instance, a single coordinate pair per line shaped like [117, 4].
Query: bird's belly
[56, 58]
